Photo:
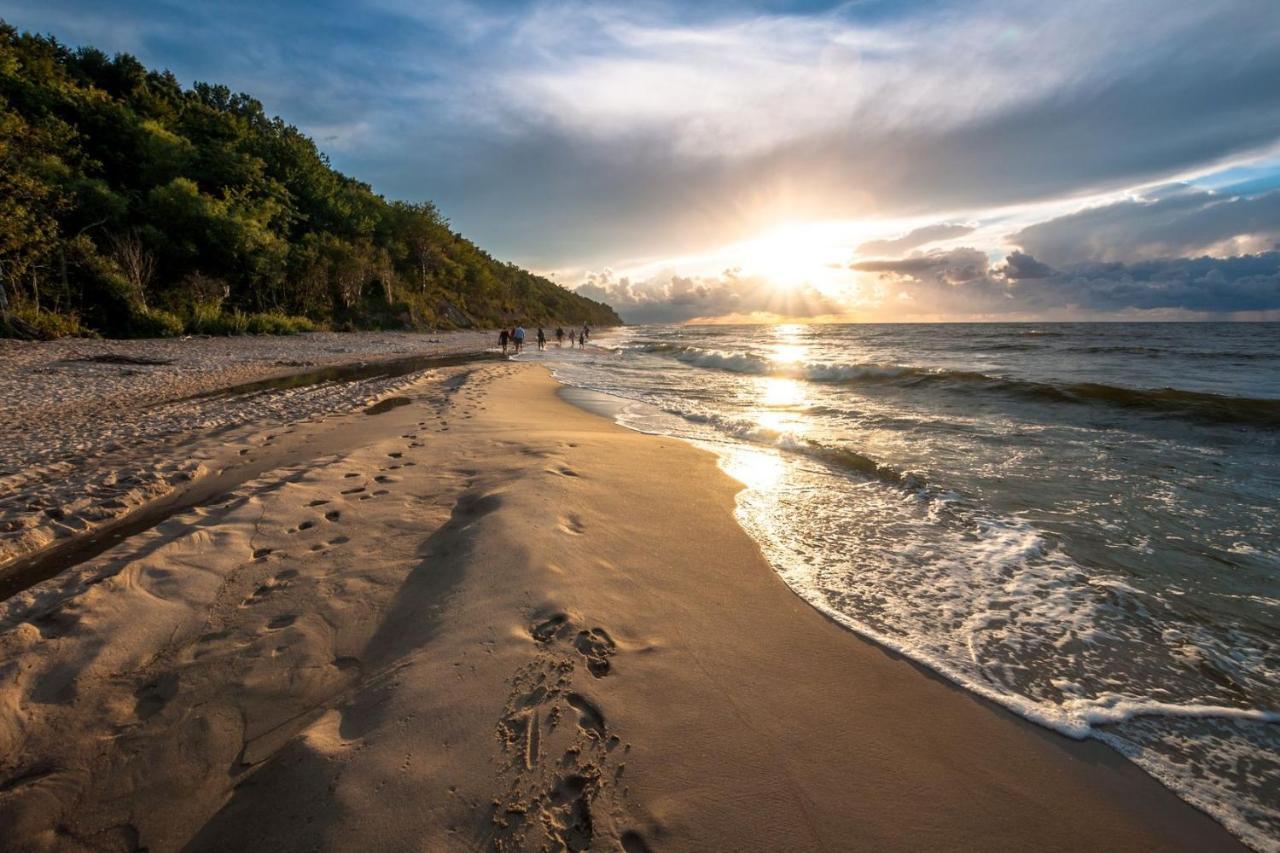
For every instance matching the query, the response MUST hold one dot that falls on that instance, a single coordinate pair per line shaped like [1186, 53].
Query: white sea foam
[988, 594]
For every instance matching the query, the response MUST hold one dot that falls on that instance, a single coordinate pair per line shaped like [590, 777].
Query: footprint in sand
[590, 720]
[151, 697]
[546, 631]
[572, 525]
[332, 515]
[596, 646]
[354, 491]
[568, 813]
[259, 594]
[633, 842]
[283, 621]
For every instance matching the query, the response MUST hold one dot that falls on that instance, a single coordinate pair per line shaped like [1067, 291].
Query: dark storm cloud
[1020, 265]
[944, 282]
[1178, 221]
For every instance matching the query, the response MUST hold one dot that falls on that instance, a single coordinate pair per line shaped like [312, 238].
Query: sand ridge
[499, 622]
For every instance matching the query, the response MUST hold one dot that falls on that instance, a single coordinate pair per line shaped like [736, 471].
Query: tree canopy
[130, 205]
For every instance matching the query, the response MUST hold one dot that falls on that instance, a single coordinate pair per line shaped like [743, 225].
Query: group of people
[514, 338]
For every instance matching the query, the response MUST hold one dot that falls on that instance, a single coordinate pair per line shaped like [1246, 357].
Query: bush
[204, 318]
[277, 323]
[31, 322]
[154, 323]
[207, 319]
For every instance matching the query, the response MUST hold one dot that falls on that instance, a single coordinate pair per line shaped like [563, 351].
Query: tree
[122, 194]
[138, 264]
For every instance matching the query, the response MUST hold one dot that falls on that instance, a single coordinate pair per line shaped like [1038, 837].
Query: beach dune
[496, 621]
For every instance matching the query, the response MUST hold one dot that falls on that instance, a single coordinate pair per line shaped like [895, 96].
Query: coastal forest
[131, 206]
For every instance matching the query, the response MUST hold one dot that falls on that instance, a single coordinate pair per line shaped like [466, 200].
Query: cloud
[1019, 265]
[672, 298]
[954, 266]
[914, 239]
[951, 283]
[971, 108]
[1173, 221]
[566, 134]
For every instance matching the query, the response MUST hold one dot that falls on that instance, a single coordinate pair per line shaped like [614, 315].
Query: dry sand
[91, 429]
[496, 621]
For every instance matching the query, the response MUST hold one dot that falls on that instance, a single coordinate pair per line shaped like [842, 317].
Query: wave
[1199, 405]
[841, 458]
[1166, 352]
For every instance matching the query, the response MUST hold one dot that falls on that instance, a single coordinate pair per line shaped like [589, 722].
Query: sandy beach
[96, 428]
[483, 618]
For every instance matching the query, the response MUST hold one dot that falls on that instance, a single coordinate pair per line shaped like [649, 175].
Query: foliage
[27, 321]
[146, 208]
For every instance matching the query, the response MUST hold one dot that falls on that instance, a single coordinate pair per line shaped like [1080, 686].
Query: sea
[1080, 522]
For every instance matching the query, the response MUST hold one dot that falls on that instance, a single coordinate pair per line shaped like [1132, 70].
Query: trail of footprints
[565, 764]
[439, 405]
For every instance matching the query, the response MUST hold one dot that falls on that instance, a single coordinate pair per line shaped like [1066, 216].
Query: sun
[785, 256]
[794, 255]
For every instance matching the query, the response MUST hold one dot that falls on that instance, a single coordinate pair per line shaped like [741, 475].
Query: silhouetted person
[582, 340]
[503, 337]
[542, 339]
[519, 339]
[559, 336]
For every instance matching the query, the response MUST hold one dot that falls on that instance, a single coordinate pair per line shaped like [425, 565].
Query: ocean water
[1080, 522]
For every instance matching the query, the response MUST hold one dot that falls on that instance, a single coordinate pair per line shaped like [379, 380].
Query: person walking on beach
[559, 336]
[519, 339]
[503, 337]
[586, 331]
[542, 339]
[582, 340]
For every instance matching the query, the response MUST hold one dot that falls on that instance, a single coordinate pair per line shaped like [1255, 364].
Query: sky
[918, 160]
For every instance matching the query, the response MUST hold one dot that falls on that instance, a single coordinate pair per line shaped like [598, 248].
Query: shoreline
[498, 620]
[614, 408]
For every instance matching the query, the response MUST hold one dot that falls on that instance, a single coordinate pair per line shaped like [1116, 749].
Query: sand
[490, 620]
[92, 429]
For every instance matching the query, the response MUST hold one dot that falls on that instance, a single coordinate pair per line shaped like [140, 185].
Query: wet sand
[488, 619]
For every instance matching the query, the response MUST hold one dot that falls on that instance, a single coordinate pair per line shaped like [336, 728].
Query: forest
[131, 206]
